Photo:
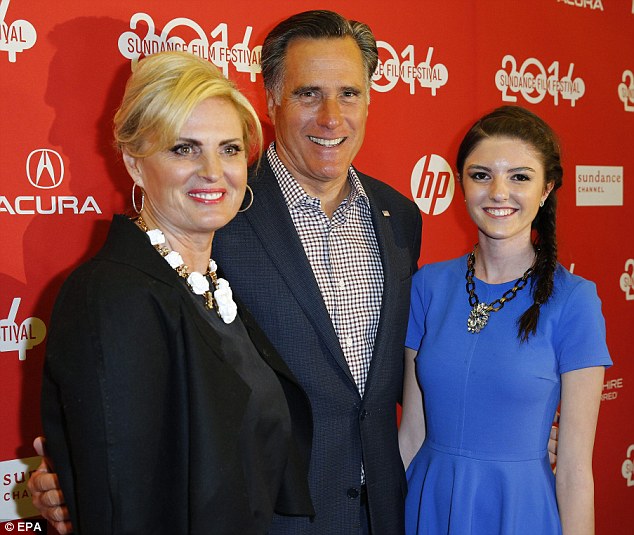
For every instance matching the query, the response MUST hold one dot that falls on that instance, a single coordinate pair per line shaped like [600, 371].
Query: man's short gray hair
[318, 24]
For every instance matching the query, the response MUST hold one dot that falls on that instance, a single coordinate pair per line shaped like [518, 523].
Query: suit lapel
[392, 258]
[271, 222]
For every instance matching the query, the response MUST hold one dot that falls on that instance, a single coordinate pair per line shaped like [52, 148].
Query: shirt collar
[294, 194]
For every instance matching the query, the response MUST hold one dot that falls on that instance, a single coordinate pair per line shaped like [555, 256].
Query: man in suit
[323, 258]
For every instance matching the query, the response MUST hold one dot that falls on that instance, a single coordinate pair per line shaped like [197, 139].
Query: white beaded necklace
[222, 298]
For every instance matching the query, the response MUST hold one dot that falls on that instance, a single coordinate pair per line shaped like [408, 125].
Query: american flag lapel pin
[386, 213]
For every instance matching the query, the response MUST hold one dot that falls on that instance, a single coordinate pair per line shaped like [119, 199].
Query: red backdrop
[63, 65]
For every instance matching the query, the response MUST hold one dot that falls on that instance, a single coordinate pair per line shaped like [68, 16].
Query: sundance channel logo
[599, 185]
[15, 499]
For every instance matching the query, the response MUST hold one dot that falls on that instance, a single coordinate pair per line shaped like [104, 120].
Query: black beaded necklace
[479, 315]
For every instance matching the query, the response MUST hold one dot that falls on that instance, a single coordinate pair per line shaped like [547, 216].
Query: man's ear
[132, 164]
[270, 105]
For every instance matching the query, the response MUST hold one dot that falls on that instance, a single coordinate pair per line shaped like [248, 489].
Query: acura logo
[45, 168]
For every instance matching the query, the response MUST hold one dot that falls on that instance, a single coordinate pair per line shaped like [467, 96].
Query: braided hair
[518, 123]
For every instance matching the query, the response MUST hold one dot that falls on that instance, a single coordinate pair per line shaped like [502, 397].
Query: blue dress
[490, 402]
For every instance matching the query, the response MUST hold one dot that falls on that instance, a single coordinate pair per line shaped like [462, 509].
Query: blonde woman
[166, 409]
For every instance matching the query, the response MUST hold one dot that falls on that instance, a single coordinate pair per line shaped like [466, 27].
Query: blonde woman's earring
[137, 210]
[250, 201]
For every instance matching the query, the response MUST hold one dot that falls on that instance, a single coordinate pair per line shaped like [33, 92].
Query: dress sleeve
[111, 412]
[416, 323]
[580, 338]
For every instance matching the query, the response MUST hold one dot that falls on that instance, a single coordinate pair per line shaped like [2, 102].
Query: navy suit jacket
[262, 256]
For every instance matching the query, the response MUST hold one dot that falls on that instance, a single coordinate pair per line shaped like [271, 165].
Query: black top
[266, 415]
[150, 413]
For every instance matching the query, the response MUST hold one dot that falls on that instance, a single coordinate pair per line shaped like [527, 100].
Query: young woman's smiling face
[504, 182]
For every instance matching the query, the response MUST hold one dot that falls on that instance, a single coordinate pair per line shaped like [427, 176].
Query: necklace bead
[222, 297]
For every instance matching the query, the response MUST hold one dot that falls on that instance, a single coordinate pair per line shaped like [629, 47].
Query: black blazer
[263, 258]
[140, 411]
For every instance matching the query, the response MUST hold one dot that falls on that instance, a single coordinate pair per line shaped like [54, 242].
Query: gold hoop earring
[250, 202]
[138, 210]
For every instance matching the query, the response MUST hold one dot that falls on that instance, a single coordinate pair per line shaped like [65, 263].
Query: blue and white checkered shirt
[346, 262]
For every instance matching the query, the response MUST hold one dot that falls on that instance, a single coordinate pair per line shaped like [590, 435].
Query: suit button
[353, 493]
[363, 414]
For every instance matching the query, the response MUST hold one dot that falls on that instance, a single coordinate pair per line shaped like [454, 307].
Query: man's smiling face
[320, 113]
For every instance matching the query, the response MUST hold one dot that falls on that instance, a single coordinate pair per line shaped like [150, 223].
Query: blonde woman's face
[197, 185]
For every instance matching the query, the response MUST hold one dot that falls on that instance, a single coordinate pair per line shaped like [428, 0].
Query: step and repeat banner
[442, 64]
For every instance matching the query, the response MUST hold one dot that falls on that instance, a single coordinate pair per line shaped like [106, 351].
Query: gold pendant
[478, 318]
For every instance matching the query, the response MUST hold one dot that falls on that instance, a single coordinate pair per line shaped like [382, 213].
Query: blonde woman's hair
[160, 95]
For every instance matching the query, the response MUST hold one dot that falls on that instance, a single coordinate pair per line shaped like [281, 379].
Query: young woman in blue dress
[498, 339]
